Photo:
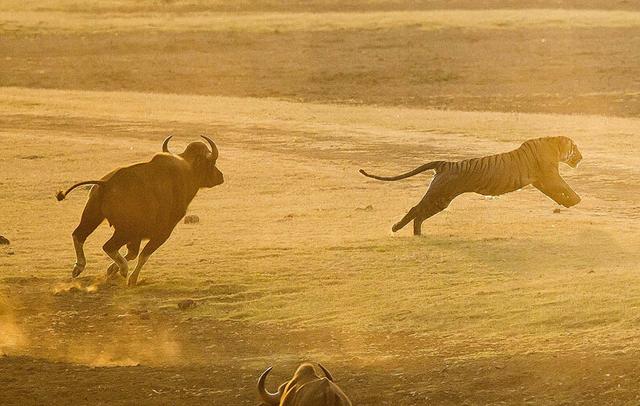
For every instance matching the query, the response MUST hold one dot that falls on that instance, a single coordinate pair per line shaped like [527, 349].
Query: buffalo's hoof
[112, 270]
[395, 227]
[77, 270]
[133, 281]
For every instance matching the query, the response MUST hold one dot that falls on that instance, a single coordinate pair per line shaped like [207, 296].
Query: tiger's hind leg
[406, 219]
[428, 209]
[417, 225]
[434, 201]
[419, 214]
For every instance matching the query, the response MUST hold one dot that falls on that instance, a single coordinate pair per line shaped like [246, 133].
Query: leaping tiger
[535, 163]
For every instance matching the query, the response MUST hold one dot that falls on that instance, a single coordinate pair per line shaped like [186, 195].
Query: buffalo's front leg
[133, 248]
[148, 249]
[112, 269]
[112, 247]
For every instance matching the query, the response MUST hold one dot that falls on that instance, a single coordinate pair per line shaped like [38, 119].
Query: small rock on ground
[191, 219]
[186, 304]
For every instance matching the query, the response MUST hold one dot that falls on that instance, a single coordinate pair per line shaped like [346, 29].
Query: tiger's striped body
[534, 162]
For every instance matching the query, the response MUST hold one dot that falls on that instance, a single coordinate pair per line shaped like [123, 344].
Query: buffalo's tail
[61, 195]
[419, 169]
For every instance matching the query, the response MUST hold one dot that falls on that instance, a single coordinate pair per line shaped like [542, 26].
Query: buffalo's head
[202, 160]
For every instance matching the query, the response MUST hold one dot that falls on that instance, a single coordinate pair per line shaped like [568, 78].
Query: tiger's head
[569, 152]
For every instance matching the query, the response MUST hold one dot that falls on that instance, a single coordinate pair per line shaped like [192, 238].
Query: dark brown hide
[144, 201]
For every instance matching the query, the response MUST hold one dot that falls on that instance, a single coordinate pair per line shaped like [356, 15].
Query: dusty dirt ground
[502, 301]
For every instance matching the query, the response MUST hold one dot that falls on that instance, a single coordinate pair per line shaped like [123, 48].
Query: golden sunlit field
[503, 300]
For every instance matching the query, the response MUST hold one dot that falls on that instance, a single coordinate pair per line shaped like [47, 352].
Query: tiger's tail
[419, 169]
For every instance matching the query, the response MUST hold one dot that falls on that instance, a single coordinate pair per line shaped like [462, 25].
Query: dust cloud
[75, 285]
[12, 338]
[119, 345]
[159, 348]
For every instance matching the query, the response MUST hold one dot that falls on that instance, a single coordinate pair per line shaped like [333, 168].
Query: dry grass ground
[502, 301]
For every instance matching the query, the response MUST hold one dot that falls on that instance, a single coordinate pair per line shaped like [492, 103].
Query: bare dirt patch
[501, 301]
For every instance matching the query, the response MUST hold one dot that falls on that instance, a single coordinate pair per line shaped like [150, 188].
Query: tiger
[535, 163]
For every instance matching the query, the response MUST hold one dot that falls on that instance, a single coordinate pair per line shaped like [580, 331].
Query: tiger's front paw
[571, 201]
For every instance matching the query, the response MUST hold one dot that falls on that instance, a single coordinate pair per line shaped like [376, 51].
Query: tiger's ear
[566, 142]
[564, 145]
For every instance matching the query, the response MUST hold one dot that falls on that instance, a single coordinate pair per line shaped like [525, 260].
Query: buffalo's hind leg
[112, 248]
[148, 249]
[91, 218]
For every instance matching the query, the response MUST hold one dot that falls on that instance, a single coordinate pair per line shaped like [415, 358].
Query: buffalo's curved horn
[269, 398]
[214, 149]
[165, 144]
[326, 372]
